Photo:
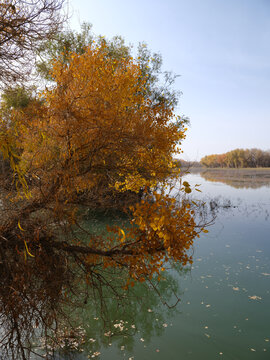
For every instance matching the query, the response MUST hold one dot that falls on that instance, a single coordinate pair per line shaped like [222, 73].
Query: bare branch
[24, 25]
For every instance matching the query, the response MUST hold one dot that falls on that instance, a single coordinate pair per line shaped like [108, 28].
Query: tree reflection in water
[76, 316]
[239, 178]
[113, 316]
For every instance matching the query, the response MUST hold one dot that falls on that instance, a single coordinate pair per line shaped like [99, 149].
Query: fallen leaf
[255, 297]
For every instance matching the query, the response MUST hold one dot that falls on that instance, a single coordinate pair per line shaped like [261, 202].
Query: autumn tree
[157, 83]
[94, 126]
[23, 26]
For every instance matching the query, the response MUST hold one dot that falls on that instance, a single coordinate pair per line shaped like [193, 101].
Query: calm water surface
[224, 312]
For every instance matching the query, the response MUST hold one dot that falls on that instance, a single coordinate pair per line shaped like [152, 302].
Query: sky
[220, 49]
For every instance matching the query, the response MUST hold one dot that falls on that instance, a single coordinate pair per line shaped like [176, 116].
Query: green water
[224, 307]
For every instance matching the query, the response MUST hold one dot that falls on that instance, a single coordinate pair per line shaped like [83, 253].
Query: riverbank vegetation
[103, 132]
[239, 158]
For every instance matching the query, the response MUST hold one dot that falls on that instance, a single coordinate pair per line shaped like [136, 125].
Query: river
[224, 307]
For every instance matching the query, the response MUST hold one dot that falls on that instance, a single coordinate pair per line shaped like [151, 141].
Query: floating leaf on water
[255, 297]
[97, 353]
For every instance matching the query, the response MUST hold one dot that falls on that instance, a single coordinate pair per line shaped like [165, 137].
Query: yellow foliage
[94, 130]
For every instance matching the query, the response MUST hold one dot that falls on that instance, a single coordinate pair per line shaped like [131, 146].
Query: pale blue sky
[221, 49]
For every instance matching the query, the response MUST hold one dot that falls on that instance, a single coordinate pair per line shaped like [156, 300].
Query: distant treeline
[239, 158]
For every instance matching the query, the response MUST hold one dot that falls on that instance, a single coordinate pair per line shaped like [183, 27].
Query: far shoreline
[227, 171]
[236, 177]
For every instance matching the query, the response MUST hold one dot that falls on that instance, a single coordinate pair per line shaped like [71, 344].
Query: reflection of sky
[225, 305]
[224, 308]
[215, 189]
[225, 299]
